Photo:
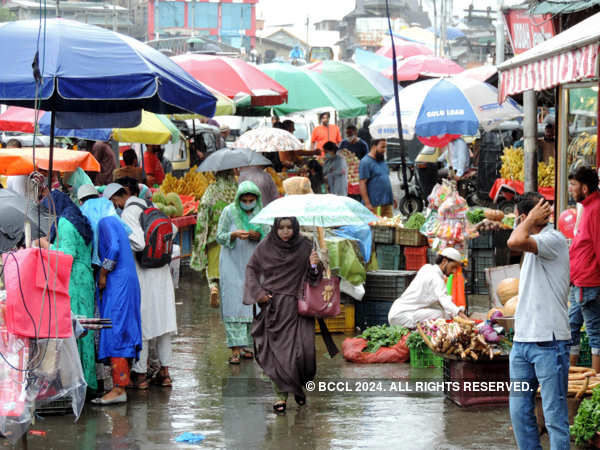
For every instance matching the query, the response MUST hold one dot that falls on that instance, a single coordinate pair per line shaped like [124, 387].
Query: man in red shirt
[155, 173]
[325, 133]
[584, 256]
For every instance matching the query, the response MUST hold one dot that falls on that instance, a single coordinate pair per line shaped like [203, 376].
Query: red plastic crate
[415, 257]
[463, 372]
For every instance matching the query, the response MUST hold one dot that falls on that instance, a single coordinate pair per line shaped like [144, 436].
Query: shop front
[567, 64]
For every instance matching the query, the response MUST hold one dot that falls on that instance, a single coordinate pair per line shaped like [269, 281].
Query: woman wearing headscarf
[118, 295]
[238, 239]
[206, 250]
[284, 341]
[73, 236]
[335, 170]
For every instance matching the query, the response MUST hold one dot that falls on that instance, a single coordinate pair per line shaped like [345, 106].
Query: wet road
[211, 397]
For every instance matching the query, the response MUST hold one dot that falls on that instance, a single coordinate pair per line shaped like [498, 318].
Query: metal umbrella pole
[397, 102]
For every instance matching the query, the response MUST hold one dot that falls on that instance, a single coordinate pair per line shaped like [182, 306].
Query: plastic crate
[410, 238]
[389, 257]
[342, 323]
[461, 372]
[421, 359]
[369, 314]
[387, 285]
[383, 235]
[585, 351]
[483, 259]
[484, 241]
[61, 406]
[415, 257]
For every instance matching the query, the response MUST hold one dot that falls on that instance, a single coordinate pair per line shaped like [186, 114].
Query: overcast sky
[279, 12]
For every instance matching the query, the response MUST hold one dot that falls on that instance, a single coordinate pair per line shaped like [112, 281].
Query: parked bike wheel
[410, 204]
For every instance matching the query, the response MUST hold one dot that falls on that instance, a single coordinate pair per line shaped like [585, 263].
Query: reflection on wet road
[196, 403]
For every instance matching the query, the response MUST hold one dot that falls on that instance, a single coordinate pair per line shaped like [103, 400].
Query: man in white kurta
[427, 296]
[157, 292]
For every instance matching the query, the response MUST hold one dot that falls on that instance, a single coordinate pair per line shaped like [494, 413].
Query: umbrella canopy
[85, 68]
[404, 49]
[481, 73]
[266, 139]
[153, 129]
[310, 90]
[371, 60]
[414, 67]
[225, 106]
[226, 159]
[348, 77]
[19, 161]
[417, 34]
[320, 210]
[233, 77]
[452, 33]
[15, 210]
[441, 109]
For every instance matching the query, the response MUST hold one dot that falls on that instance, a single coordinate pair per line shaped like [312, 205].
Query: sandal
[280, 407]
[140, 382]
[162, 380]
[214, 297]
[300, 399]
[234, 359]
[247, 354]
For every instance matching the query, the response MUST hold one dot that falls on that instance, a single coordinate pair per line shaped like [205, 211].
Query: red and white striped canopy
[568, 57]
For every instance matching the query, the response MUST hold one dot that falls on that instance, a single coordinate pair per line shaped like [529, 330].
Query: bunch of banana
[193, 183]
[512, 164]
[546, 174]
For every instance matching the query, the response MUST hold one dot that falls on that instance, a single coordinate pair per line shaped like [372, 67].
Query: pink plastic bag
[31, 311]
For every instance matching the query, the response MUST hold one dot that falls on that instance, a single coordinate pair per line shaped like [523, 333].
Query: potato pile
[390, 222]
[459, 338]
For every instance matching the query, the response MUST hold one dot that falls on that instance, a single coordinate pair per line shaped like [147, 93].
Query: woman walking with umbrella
[238, 239]
[284, 341]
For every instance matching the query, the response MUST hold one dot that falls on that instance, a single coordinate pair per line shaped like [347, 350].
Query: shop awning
[568, 57]
[563, 7]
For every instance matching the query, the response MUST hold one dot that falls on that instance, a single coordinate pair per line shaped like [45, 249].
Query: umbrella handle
[321, 248]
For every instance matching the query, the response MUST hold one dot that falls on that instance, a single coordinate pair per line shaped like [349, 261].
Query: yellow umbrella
[225, 106]
[154, 129]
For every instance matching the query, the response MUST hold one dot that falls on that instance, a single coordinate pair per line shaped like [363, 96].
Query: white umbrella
[267, 139]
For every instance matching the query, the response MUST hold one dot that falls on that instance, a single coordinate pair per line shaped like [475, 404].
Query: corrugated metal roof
[564, 6]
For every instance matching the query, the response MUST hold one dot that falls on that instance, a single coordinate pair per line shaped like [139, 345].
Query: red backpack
[158, 234]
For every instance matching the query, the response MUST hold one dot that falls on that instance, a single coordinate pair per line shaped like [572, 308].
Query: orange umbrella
[19, 161]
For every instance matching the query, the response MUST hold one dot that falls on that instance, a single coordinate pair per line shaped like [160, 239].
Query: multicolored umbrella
[439, 110]
[267, 139]
[404, 49]
[350, 78]
[415, 67]
[19, 161]
[319, 210]
[233, 77]
[310, 90]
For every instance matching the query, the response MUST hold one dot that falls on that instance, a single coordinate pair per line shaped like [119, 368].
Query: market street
[152, 419]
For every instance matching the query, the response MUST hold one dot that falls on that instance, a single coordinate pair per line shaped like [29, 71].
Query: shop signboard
[527, 31]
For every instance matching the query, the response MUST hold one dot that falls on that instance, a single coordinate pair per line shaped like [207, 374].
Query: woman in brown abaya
[284, 342]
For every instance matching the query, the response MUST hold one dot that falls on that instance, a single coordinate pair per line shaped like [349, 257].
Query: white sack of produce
[507, 289]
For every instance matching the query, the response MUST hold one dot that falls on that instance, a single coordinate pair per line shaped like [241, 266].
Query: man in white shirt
[427, 296]
[458, 156]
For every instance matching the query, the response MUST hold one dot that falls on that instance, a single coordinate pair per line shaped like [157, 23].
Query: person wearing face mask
[374, 174]
[335, 170]
[427, 296]
[353, 143]
[238, 239]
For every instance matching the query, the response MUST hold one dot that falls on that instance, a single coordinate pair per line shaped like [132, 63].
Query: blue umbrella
[85, 68]
[451, 33]
[92, 134]
[372, 60]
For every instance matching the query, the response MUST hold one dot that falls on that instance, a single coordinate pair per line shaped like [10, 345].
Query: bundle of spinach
[587, 420]
[415, 221]
[382, 336]
[416, 342]
[476, 215]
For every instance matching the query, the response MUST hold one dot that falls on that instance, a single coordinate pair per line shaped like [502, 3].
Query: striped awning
[567, 67]
[567, 57]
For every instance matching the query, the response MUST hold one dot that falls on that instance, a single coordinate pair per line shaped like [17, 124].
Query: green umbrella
[319, 210]
[348, 77]
[309, 90]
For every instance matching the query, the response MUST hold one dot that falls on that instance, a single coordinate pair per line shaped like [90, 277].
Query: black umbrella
[226, 159]
[15, 210]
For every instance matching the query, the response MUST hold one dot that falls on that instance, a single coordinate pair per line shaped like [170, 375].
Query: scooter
[415, 200]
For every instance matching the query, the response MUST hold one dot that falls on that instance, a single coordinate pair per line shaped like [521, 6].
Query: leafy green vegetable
[415, 221]
[587, 420]
[416, 342]
[476, 215]
[382, 336]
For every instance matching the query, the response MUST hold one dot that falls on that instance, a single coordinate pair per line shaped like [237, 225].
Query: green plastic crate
[421, 359]
[390, 257]
[585, 351]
